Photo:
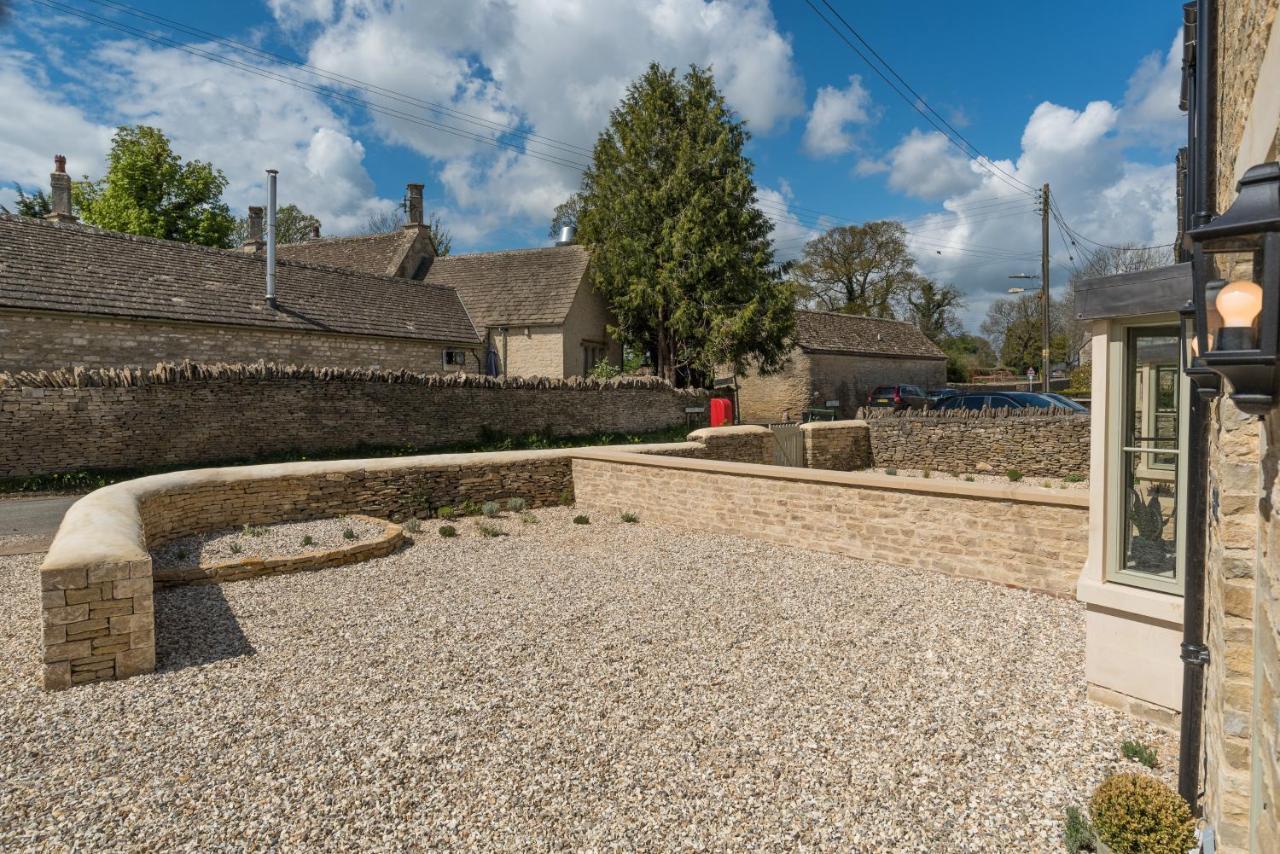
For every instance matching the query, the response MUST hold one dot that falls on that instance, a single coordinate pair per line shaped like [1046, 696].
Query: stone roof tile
[831, 332]
[526, 287]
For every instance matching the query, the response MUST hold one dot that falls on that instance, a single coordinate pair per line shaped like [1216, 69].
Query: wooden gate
[788, 444]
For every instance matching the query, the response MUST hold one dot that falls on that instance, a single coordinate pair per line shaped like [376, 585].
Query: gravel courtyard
[567, 686]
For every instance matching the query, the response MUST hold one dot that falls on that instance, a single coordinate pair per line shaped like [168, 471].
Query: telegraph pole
[1044, 282]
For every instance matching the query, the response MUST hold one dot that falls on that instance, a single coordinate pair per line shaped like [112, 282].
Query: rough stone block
[63, 579]
[133, 662]
[67, 651]
[57, 676]
[67, 614]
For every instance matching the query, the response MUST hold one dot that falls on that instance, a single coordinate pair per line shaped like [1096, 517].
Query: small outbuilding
[836, 361]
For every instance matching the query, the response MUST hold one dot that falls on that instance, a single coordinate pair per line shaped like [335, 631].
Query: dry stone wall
[1036, 445]
[192, 414]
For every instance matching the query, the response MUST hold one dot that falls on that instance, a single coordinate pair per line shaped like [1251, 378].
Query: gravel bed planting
[568, 686]
[281, 540]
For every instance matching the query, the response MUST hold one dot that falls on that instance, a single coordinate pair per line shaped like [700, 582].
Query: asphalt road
[28, 524]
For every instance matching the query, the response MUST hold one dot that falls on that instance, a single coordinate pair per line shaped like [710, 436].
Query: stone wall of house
[97, 582]
[1036, 445]
[531, 351]
[837, 445]
[778, 396]
[1037, 541]
[32, 341]
[1242, 723]
[224, 414]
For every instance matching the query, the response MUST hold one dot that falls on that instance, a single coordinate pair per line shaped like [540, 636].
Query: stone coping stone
[814, 426]
[223, 571]
[865, 480]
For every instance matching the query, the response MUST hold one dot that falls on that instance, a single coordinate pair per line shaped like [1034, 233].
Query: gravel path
[568, 685]
[281, 540]
[1000, 479]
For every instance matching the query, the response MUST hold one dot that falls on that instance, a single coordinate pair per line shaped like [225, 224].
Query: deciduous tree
[149, 191]
[441, 238]
[858, 269]
[293, 225]
[932, 308]
[680, 250]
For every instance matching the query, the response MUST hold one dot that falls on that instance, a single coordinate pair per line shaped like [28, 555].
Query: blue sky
[1082, 95]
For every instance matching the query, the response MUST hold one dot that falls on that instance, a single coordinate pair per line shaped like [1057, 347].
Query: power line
[915, 103]
[315, 89]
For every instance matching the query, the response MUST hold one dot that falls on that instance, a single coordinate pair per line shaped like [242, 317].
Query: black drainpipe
[1195, 655]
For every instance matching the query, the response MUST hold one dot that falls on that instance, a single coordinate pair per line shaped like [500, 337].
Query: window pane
[1150, 478]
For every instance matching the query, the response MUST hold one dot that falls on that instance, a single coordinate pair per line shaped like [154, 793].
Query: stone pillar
[99, 622]
[255, 241]
[837, 445]
[60, 195]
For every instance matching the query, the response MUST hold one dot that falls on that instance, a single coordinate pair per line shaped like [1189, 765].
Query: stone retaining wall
[194, 415]
[97, 580]
[1036, 445]
[1022, 536]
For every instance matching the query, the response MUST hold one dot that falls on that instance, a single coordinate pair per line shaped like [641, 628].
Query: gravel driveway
[567, 686]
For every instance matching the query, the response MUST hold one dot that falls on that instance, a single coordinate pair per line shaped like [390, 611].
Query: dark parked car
[899, 397]
[938, 394]
[1006, 400]
[1065, 402]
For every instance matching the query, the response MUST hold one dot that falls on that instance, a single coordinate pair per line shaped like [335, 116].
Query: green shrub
[348, 534]
[581, 519]
[969, 478]
[491, 509]
[1074, 478]
[490, 531]
[528, 518]
[516, 505]
[469, 508]
[566, 498]
[1014, 475]
[1137, 751]
[448, 531]
[630, 518]
[236, 548]
[446, 512]
[1138, 813]
[308, 540]
[254, 530]
[412, 525]
[890, 471]
[926, 473]
[1077, 833]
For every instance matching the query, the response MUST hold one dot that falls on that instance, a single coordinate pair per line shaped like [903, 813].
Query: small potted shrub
[1138, 813]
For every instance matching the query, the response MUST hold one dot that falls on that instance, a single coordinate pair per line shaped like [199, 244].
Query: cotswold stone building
[836, 361]
[71, 295]
[534, 309]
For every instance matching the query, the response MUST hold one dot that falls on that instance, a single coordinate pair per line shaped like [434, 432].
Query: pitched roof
[519, 286]
[366, 253]
[47, 266]
[830, 332]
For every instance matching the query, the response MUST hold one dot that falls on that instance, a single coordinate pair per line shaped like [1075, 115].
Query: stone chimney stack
[413, 205]
[60, 197]
[255, 241]
[315, 232]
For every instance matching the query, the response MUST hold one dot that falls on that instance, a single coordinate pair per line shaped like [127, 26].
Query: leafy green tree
[293, 225]
[566, 213]
[1016, 327]
[679, 249]
[858, 269]
[149, 191]
[441, 239]
[33, 206]
[967, 355]
[932, 308]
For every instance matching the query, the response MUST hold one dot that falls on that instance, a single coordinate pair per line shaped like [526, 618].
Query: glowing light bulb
[1239, 303]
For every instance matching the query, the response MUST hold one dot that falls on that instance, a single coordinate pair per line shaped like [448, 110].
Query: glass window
[1149, 456]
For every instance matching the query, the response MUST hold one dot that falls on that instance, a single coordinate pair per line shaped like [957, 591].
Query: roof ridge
[95, 231]
[334, 238]
[856, 316]
[511, 251]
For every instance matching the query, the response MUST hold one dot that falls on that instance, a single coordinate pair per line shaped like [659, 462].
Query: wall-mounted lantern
[1206, 381]
[1236, 292]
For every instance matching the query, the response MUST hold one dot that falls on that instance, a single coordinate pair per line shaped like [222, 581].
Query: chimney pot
[413, 205]
[568, 235]
[60, 195]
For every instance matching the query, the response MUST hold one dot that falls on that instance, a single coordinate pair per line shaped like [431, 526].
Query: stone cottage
[836, 361]
[71, 295]
[534, 309]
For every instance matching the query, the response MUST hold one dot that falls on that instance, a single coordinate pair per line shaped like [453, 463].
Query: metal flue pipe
[271, 237]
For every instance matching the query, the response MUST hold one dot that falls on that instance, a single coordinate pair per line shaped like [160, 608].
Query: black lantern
[1236, 291]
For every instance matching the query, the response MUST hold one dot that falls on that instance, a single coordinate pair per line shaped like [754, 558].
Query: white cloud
[1150, 110]
[827, 132]
[927, 166]
[789, 234]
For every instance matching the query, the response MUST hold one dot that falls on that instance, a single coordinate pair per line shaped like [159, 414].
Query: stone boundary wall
[837, 445]
[97, 578]
[1021, 536]
[191, 414]
[1036, 445]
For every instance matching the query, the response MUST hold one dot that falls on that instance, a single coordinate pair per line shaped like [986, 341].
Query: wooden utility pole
[1044, 283]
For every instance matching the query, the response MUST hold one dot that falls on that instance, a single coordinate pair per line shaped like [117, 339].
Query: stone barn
[836, 360]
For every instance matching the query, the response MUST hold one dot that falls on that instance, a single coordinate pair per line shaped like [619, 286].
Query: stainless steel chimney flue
[568, 236]
[271, 237]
